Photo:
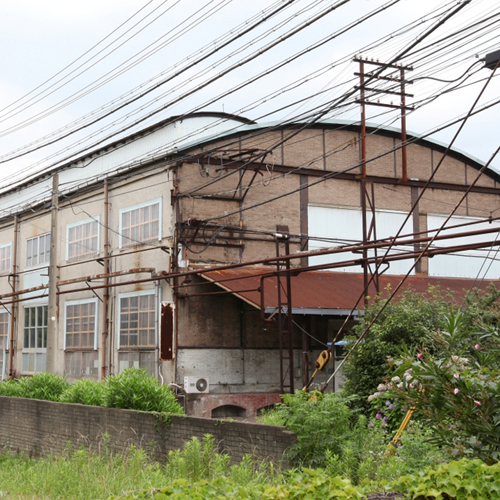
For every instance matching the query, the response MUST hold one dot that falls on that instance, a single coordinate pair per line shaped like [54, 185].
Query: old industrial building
[117, 229]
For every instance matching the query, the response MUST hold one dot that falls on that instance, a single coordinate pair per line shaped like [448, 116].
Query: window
[137, 330]
[81, 364]
[35, 339]
[137, 321]
[5, 253]
[38, 250]
[4, 342]
[80, 341]
[81, 325]
[4, 331]
[83, 238]
[140, 223]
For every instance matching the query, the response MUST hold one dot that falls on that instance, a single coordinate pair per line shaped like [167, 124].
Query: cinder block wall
[43, 427]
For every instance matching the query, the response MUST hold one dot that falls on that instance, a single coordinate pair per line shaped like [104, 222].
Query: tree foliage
[405, 324]
[454, 385]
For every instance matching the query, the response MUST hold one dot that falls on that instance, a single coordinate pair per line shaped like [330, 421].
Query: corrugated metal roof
[323, 289]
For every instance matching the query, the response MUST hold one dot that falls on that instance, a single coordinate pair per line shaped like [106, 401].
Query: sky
[62, 62]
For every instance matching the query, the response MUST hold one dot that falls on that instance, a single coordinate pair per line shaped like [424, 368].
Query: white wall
[482, 263]
[346, 226]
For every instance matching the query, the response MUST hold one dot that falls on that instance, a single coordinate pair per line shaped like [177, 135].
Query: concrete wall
[43, 427]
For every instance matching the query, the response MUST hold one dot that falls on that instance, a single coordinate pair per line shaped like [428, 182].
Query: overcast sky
[40, 39]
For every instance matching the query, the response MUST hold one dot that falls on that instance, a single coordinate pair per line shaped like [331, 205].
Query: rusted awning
[324, 292]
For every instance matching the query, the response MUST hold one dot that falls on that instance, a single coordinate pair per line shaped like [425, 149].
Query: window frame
[137, 293]
[96, 324]
[97, 220]
[38, 264]
[9, 270]
[33, 350]
[148, 203]
[7, 337]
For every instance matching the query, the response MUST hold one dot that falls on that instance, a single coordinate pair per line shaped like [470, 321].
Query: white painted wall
[483, 263]
[346, 227]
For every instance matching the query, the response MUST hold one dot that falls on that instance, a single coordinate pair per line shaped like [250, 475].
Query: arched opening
[231, 411]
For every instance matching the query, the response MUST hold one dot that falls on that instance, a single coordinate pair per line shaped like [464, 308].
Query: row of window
[138, 224]
[137, 328]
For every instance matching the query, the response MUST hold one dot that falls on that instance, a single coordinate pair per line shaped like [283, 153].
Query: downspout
[105, 295]
[174, 267]
[13, 307]
[157, 328]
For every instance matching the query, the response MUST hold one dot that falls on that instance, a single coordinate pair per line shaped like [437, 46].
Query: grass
[84, 475]
[78, 475]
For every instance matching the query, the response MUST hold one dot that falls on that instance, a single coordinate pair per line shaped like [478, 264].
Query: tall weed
[322, 422]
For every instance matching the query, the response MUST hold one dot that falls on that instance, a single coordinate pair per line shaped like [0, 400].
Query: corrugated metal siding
[470, 264]
[345, 225]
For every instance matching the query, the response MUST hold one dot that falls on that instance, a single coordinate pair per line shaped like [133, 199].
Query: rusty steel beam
[273, 260]
[287, 169]
[107, 275]
[97, 259]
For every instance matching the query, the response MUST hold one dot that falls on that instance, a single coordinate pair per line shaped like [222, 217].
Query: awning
[324, 292]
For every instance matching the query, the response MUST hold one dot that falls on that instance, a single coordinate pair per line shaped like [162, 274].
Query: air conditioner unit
[196, 385]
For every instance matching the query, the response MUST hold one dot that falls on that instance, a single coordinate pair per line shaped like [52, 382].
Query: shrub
[84, 391]
[462, 480]
[45, 386]
[321, 422]
[455, 388]
[10, 388]
[135, 389]
[402, 323]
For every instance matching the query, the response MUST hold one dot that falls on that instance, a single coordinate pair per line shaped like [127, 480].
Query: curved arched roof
[175, 135]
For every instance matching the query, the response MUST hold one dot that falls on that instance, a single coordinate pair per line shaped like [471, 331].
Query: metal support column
[285, 324]
[53, 316]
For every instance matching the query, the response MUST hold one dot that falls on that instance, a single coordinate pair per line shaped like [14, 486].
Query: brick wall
[43, 427]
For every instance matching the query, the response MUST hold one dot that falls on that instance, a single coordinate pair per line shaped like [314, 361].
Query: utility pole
[53, 316]
[367, 201]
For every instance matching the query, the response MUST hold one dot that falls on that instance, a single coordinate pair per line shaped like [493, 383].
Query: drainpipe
[14, 306]
[157, 328]
[105, 295]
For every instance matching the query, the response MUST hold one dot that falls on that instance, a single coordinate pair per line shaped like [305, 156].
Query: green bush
[46, 386]
[335, 437]
[306, 484]
[11, 388]
[454, 384]
[136, 389]
[462, 480]
[321, 422]
[402, 323]
[86, 392]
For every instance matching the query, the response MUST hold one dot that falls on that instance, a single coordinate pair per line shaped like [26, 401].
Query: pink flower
[419, 355]
[456, 375]
[476, 347]
[455, 391]
[477, 403]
